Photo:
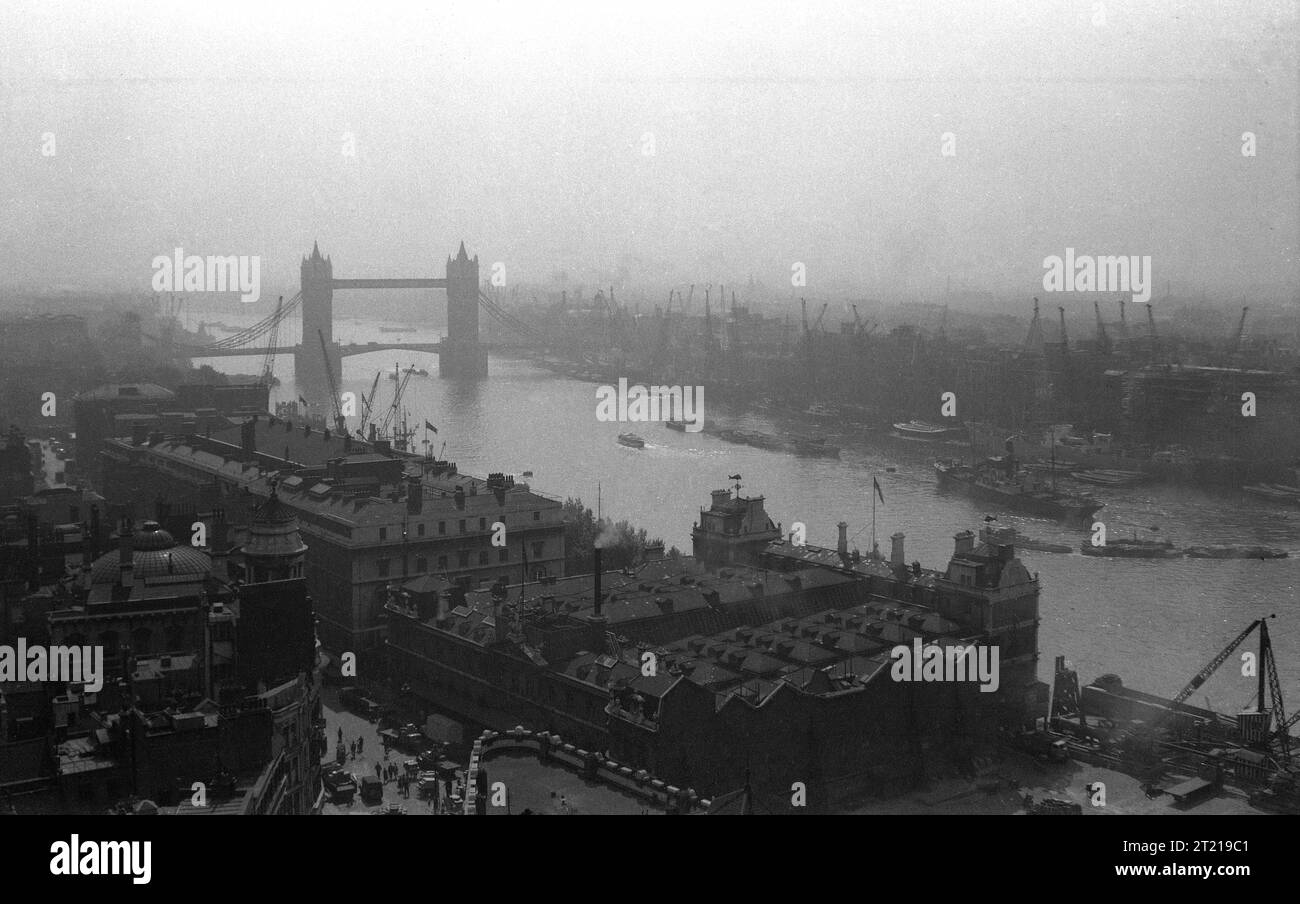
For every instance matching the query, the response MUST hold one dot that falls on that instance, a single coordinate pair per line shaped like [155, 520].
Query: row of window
[442, 526]
[384, 565]
[175, 637]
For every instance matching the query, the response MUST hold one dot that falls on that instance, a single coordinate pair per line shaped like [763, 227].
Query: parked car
[340, 784]
[409, 737]
[372, 790]
[353, 699]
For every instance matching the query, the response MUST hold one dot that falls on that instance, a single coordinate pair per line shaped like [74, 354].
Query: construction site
[1190, 753]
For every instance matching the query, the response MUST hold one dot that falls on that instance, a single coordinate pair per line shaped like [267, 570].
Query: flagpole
[873, 516]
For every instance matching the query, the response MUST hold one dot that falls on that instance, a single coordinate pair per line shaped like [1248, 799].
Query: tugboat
[631, 440]
[998, 480]
[679, 426]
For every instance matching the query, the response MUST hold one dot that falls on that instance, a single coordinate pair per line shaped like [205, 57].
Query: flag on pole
[304, 401]
[428, 426]
[875, 483]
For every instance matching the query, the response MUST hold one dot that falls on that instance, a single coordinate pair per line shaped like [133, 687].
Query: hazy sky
[808, 132]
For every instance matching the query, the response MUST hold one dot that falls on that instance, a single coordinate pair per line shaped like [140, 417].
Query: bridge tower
[317, 320]
[462, 355]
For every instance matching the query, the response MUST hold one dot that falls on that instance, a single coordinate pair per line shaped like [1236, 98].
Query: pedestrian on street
[361, 745]
[340, 734]
[376, 770]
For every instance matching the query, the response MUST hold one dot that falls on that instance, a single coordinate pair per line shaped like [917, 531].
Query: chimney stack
[596, 569]
[965, 542]
[844, 538]
[896, 549]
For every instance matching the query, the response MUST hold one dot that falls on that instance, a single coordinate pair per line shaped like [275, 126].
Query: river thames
[1155, 623]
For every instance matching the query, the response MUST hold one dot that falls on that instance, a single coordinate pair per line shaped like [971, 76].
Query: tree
[622, 543]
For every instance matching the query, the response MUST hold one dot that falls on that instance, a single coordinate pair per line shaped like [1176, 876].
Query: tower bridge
[460, 354]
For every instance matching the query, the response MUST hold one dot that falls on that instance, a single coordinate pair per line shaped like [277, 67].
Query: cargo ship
[1000, 482]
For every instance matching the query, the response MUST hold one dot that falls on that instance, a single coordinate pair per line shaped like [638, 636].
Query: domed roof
[274, 531]
[154, 553]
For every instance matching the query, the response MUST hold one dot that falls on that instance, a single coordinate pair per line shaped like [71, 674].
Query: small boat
[820, 411]
[679, 426]
[1133, 549]
[921, 430]
[1236, 552]
[631, 440]
[419, 372]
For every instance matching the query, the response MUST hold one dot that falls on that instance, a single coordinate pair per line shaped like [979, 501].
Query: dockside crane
[1267, 671]
[1065, 340]
[268, 362]
[368, 404]
[817, 325]
[340, 423]
[1234, 351]
[389, 418]
[1103, 338]
[656, 357]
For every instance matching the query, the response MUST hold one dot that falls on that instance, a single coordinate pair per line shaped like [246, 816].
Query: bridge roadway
[352, 348]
